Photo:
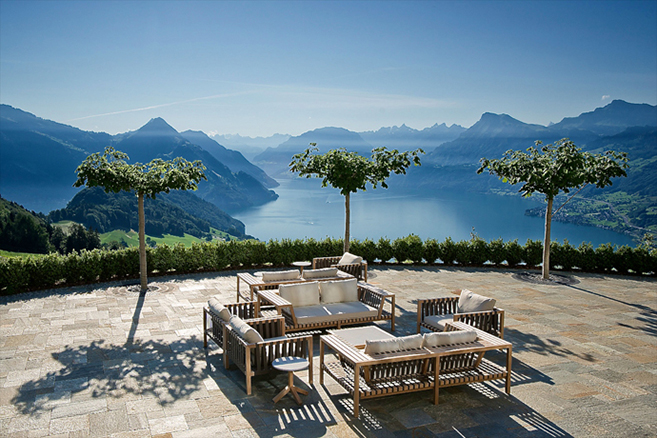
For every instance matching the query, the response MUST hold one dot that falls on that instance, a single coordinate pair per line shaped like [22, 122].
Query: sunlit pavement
[103, 361]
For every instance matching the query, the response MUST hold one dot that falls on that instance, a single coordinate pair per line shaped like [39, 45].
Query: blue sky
[257, 68]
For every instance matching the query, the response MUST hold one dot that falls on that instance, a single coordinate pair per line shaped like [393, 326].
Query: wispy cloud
[146, 108]
[606, 97]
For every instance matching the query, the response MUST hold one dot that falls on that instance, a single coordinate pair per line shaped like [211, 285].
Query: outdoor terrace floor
[103, 361]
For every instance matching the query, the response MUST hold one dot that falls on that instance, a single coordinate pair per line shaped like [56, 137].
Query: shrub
[384, 250]
[533, 253]
[408, 248]
[514, 252]
[496, 251]
[431, 251]
[447, 251]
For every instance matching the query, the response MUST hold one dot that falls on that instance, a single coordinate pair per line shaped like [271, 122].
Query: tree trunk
[546, 240]
[346, 225]
[142, 243]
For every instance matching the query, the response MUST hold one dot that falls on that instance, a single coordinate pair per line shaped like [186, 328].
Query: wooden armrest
[273, 298]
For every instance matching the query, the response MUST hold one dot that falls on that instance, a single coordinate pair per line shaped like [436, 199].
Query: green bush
[408, 248]
[514, 252]
[53, 270]
[533, 253]
[431, 251]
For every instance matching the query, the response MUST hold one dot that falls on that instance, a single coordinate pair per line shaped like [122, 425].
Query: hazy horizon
[260, 68]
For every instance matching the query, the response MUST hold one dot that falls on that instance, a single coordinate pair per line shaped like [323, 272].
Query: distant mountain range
[39, 158]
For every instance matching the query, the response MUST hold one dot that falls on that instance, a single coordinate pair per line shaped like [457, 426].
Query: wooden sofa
[308, 307]
[358, 270]
[433, 313]
[214, 319]
[366, 376]
[293, 276]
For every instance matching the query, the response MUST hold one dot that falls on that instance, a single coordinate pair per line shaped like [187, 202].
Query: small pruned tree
[111, 171]
[350, 172]
[554, 168]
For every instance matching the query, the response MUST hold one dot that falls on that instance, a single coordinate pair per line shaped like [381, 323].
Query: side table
[290, 364]
[301, 265]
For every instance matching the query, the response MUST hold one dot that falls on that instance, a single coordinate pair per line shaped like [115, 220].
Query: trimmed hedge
[53, 270]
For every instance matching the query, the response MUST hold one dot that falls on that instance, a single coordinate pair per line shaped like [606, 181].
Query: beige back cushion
[471, 302]
[349, 259]
[320, 273]
[246, 332]
[411, 342]
[438, 339]
[292, 274]
[339, 291]
[219, 309]
[300, 294]
[382, 346]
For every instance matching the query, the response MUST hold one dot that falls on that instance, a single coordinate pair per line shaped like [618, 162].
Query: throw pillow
[411, 342]
[300, 294]
[246, 332]
[471, 302]
[219, 309]
[339, 291]
[438, 339]
[350, 259]
[292, 274]
[382, 346]
[320, 273]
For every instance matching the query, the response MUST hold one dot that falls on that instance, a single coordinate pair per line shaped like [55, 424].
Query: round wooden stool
[290, 364]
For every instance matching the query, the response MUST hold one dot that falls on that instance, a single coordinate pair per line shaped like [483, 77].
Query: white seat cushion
[217, 308]
[333, 312]
[300, 294]
[350, 259]
[309, 274]
[449, 338]
[438, 321]
[471, 302]
[246, 332]
[339, 291]
[292, 274]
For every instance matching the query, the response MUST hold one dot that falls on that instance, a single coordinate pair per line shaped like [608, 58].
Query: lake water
[305, 209]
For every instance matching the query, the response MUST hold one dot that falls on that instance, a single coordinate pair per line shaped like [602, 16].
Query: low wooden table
[358, 336]
[290, 364]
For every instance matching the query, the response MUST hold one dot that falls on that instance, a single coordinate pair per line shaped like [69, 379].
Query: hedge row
[53, 270]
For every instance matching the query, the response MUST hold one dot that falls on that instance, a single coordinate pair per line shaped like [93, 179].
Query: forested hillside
[110, 211]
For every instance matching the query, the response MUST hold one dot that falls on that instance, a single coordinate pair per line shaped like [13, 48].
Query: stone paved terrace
[101, 361]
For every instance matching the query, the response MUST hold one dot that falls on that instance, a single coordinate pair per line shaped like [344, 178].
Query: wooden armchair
[255, 358]
[213, 324]
[434, 313]
[358, 270]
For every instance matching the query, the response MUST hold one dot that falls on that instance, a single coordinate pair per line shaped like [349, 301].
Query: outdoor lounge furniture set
[368, 361]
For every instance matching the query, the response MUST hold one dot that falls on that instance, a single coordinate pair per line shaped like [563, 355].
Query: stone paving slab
[101, 361]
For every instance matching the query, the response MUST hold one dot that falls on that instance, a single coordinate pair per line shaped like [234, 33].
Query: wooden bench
[369, 376]
[490, 321]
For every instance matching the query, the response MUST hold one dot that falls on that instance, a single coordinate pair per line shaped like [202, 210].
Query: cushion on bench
[217, 308]
[300, 294]
[309, 274]
[449, 338]
[471, 302]
[439, 321]
[332, 312]
[246, 332]
[350, 259]
[339, 291]
[393, 345]
[292, 274]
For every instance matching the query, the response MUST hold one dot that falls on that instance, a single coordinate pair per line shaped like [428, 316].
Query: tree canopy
[350, 172]
[111, 171]
[554, 168]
